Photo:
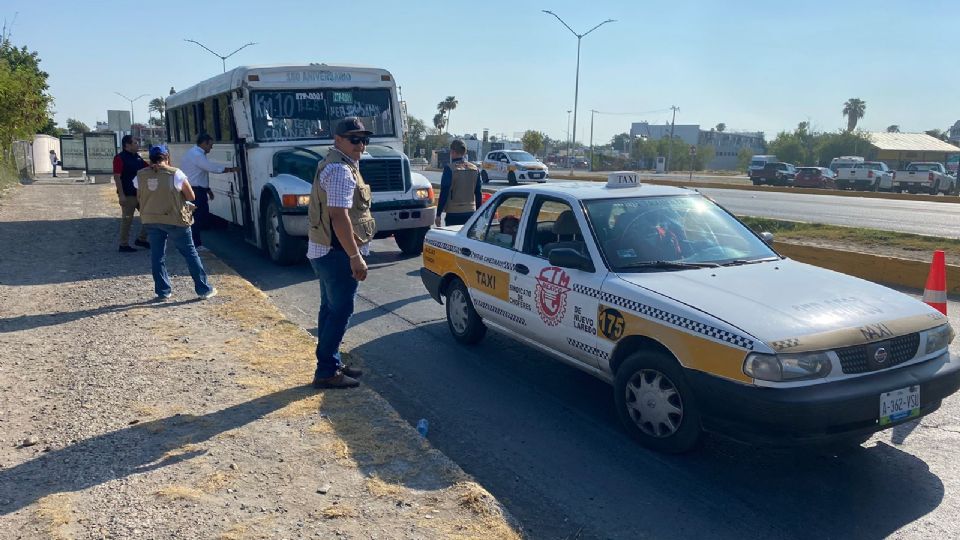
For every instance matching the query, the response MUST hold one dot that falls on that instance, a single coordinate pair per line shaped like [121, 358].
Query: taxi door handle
[522, 269]
[465, 252]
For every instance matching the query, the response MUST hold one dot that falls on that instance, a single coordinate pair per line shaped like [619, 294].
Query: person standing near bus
[197, 167]
[126, 164]
[53, 162]
[163, 194]
[341, 228]
[460, 193]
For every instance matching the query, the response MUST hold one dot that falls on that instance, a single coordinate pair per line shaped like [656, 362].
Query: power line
[632, 113]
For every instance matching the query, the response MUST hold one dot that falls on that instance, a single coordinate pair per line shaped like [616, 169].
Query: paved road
[544, 437]
[919, 217]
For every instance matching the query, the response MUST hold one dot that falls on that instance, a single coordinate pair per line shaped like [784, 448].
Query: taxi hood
[530, 164]
[784, 299]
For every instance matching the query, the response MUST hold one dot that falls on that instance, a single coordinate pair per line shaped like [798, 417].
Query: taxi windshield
[521, 156]
[674, 232]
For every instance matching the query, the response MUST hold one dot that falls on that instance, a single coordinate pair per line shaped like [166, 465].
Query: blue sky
[752, 65]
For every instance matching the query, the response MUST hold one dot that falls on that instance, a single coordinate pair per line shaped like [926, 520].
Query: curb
[885, 270]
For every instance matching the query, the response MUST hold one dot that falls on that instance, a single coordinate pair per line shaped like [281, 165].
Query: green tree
[50, 128]
[705, 154]
[621, 142]
[532, 141]
[937, 134]
[844, 143]
[743, 158]
[439, 121]
[24, 101]
[416, 131]
[721, 127]
[76, 126]
[854, 110]
[894, 128]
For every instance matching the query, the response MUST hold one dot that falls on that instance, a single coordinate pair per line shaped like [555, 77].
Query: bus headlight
[293, 201]
[939, 338]
[424, 194]
[787, 367]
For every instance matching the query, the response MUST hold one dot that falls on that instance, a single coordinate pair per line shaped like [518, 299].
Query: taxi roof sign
[623, 179]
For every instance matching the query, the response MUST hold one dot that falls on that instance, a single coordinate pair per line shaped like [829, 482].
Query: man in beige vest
[341, 228]
[460, 193]
[162, 193]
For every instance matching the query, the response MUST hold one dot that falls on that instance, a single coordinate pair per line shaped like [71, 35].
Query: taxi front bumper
[819, 413]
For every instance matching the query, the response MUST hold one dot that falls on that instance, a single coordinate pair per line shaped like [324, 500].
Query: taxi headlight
[787, 367]
[292, 201]
[939, 338]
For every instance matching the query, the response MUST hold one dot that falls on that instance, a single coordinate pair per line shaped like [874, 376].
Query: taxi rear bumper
[819, 413]
[432, 282]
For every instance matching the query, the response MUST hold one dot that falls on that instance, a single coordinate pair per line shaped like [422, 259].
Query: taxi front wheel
[465, 324]
[655, 404]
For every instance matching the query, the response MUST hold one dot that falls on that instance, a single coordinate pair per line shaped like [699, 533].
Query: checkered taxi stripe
[588, 349]
[442, 245]
[503, 313]
[670, 318]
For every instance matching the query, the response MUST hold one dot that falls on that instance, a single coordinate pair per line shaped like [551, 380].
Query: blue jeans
[337, 292]
[201, 216]
[184, 243]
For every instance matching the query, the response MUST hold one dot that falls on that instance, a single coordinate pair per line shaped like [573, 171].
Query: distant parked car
[758, 161]
[512, 166]
[775, 174]
[925, 177]
[815, 177]
[866, 176]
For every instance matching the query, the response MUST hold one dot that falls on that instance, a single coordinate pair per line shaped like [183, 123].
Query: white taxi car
[695, 320]
[513, 166]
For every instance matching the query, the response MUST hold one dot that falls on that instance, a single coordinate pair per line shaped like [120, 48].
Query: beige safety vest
[321, 229]
[160, 201]
[463, 186]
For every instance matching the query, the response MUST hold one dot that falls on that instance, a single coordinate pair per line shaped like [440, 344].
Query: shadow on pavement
[27, 322]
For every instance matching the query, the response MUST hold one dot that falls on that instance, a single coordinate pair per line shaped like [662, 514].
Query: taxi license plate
[536, 175]
[899, 405]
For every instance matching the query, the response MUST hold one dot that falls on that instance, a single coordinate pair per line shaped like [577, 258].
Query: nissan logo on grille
[880, 356]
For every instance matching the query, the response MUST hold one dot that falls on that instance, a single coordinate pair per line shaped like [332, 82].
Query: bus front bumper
[387, 220]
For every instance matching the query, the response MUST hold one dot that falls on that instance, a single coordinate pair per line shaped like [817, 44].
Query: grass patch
[800, 231]
[8, 176]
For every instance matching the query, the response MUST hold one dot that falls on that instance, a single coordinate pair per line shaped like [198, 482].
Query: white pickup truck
[925, 177]
[866, 176]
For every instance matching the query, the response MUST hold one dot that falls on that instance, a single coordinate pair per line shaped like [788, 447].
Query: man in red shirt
[125, 167]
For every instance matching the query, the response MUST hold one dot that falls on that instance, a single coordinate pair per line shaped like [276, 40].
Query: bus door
[242, 187]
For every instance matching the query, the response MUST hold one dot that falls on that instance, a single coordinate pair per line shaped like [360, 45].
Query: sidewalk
[123, 418]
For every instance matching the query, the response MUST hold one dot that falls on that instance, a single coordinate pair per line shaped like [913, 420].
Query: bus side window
[228, 117]
[216, 112]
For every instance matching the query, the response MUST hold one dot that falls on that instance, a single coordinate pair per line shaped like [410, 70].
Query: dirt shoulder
[124, 418]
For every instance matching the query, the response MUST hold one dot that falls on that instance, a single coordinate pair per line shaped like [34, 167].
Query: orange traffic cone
[935, 293]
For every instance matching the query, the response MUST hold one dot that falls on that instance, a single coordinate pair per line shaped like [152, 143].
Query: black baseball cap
[352, 126]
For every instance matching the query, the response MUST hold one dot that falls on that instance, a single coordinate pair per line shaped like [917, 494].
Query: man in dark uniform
[460, 193]
[126, 164]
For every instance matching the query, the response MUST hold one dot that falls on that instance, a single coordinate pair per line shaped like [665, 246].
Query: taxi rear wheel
[655, 404]
[465, 324]
[484, 177]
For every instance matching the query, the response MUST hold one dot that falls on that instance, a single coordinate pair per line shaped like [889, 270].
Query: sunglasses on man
[355, 139]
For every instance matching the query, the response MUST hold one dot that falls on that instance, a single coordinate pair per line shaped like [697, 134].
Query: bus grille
[383, 174]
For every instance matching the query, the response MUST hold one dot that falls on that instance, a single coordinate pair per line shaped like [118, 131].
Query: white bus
[275, 123]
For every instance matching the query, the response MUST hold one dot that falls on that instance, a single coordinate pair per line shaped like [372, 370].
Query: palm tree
[853, 109]
[894, 128]
[157, 105]
[439, 122]
[445, 106]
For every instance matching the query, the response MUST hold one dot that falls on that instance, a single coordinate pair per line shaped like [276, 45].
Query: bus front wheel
[280, 246]
[410, 241]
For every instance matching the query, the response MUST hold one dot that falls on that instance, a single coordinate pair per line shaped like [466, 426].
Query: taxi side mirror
[570, 258]
[767, 238]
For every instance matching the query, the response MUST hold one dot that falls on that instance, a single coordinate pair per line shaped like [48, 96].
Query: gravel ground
[125, 418]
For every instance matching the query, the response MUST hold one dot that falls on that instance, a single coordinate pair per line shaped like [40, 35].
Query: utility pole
[568, 139]
[674, 108]
[592, 112]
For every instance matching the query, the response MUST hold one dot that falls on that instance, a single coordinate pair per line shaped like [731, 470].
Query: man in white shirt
[197, 167]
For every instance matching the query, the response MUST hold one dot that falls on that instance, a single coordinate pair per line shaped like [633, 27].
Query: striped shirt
[338, 182]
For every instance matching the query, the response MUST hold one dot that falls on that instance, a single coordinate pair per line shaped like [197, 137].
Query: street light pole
[576, 87]
[131, 107]
[592, 112]
[568, 136]
[218, 55]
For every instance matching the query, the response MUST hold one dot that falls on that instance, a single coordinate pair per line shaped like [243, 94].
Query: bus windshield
[286, 115]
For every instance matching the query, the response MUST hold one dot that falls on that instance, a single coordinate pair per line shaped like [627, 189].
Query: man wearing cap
[126, 164]
[198, 168]
[163, 194]
[460, 193]
[341, 228]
